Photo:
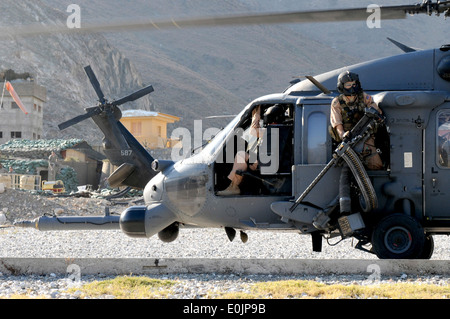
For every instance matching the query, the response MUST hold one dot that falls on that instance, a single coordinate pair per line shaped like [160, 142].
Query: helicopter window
[215, 144]
[317, 138]
[443, 137]
[257, 150]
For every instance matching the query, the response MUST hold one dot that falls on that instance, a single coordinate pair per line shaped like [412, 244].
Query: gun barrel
[45, 223]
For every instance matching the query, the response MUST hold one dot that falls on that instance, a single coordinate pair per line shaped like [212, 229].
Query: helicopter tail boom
[120, 146]
[123, 150]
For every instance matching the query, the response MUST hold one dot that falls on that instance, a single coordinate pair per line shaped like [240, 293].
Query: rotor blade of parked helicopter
[134, 96]
[91, 75]
[337, 15]
[90, 112]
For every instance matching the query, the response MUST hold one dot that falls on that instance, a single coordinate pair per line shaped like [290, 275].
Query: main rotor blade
[336, 15]
[134, 96]
[95, 84]
[91, 112]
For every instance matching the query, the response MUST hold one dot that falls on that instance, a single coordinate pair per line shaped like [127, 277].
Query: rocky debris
[26, 205]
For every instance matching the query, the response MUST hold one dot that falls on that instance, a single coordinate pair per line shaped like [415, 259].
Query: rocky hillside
[196, 72]
[57, 63]
[203, 72]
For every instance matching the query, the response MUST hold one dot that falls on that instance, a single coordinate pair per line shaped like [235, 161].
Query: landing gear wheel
[428, 248]
[398, 236]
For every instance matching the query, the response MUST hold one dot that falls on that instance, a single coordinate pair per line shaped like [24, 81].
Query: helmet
[274, 114]
[348, 76]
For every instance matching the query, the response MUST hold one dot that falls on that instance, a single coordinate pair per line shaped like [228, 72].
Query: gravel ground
[192, 243]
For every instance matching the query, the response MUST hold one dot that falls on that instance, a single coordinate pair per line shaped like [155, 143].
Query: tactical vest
[351, 116]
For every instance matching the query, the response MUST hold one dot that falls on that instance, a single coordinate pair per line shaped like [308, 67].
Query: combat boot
[233, 189]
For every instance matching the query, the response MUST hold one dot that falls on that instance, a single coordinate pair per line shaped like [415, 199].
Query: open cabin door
[437, 166]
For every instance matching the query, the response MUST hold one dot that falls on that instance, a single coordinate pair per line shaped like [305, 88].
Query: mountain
[357, 39]
[196, 72]
[57, 62]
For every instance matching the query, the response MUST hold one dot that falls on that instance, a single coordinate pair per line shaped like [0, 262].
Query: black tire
[428, 248]
[398, 236]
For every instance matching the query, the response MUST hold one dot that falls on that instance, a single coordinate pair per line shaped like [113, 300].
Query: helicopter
[295, 188]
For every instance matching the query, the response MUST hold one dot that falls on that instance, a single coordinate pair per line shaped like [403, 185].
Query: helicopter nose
[146, 221]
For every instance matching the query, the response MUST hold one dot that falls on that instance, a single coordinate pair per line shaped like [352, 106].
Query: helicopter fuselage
[414, 181]
[412, 189]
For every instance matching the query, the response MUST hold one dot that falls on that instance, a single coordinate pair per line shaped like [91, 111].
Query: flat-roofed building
[14, 123]
[149, 128]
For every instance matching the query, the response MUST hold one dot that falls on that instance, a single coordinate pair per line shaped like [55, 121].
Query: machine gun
[344, 151]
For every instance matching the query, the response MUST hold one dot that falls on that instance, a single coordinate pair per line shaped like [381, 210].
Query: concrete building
[13, 122]
[149, 128]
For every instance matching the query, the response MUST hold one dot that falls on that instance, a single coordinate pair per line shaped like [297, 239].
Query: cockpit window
[443, 139]
[216, 143]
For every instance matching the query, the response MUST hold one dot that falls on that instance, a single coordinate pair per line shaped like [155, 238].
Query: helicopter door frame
[436, 169]
[313, 150]
[306, 135]
[276, 184]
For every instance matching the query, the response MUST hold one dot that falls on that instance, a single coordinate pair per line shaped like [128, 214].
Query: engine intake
[146, 221]
[132, 221]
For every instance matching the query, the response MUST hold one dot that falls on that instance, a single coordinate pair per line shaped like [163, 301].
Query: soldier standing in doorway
[346, 110]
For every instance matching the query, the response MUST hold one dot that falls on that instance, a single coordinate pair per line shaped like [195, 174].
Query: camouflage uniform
[348, 114]
[346, 111]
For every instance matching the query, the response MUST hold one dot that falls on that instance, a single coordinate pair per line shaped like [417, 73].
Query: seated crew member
[241, 160]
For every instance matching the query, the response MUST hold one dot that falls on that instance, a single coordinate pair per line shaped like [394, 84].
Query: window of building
[136, 128]
[1, 134]
[16, 134]
[14, 105]
[443, 136]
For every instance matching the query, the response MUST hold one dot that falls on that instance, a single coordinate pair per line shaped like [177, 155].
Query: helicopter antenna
[402, 46]
[318, 84]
